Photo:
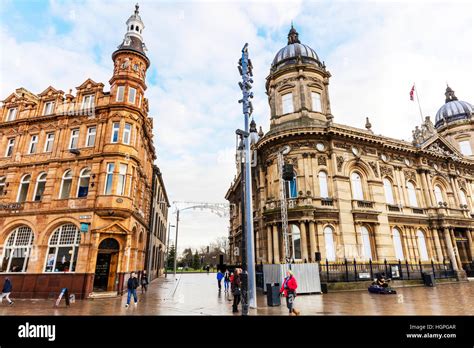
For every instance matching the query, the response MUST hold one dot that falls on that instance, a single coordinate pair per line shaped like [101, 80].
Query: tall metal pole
[247, 110]
[176, 243]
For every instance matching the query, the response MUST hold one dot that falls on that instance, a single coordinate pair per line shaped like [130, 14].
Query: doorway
[106, 265]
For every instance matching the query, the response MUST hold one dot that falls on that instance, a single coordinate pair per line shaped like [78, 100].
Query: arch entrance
[106, 265]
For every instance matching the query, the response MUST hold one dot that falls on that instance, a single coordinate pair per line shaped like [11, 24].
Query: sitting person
[381, 281]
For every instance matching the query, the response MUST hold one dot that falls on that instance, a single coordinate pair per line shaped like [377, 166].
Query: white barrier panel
[306, 274]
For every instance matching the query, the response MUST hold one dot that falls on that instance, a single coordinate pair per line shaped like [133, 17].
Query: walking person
[236, 290]
[220, 276]
[64, 293]
[226, 280]
[6, 291]
[132, 286]
[289, 291]
[144, 281]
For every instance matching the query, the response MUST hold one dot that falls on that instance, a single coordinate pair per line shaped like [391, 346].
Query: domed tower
[297, 87]
[454, 122]
[127, 84]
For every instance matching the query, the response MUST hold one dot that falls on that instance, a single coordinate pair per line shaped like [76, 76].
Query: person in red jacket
[289, 291]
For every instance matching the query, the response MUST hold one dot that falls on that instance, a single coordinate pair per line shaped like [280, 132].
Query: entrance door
[106, 265]
[102, 268]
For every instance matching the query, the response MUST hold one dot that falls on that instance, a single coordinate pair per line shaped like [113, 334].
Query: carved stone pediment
[386, 171]
[409, 175]
[439, 148]
[115, 228]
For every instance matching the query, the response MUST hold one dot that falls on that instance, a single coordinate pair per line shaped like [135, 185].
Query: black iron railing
[353, 271]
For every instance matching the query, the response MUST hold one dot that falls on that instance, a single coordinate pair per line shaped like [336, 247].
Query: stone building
[158, 232]
[357, 195]
[76, 178]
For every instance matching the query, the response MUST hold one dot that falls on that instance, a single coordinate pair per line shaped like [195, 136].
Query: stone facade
[76, 177]
[158, 232]
[356, 195]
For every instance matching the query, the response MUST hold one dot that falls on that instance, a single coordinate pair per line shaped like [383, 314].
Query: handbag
[236, 292]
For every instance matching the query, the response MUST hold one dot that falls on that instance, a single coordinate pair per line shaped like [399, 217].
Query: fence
[359, 271]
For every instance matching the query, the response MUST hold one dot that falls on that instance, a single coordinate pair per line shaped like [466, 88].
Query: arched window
[438, 194]
[291, 189]
[422, 246]
[295, 242]
[387, 186]
[23, 189]
[366, 247]
[132, 27]
[356, 185]
[412, 194]
[40, 185]
[397, 244]
[83, 184]
[329, 241]
[63, 249]
[17, 250]
[323, 184]
[462, 196]
[66, 185]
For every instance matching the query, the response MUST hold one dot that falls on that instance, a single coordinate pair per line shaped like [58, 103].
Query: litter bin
[428, 279]
[273, 295]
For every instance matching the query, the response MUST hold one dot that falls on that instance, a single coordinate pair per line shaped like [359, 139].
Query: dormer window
[465, 147]
[11, 116]
[88, 101]
[316, 101]
[48, 108]
[287, 103]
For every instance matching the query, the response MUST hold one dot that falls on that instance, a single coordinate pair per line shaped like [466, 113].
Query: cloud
[374, 50]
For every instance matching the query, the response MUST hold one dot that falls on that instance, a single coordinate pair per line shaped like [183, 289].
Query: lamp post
[245, 70]
[168, 249]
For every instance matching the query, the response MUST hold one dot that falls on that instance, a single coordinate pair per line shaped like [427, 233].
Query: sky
[374, 50]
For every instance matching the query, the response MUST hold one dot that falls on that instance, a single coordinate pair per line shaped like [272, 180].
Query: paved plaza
[197, 294]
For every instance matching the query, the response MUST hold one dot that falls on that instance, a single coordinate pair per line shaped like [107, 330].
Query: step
[102, 294]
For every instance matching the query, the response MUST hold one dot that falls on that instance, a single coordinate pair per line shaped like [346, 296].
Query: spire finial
[450, 96]
[293, 35]
[136, 8]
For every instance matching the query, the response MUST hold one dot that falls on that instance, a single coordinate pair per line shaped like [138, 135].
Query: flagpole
[418, 100]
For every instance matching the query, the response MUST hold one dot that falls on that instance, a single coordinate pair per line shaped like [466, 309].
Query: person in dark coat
[236, 290]
[144, 281]
[226, 280]
[132, 286]
[6, 291]
[289, 291]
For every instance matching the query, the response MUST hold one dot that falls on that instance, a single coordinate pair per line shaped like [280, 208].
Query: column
[312, 240]
[455, 248]
[304, 247]
[426, 190]
[404, 187]
[430, 187]
[276, 245]
[401, 198]
[439, 252]
[269, 244]
[406, 248]
[455, 192]
[449, 246]
[469, 241]
[320, 239]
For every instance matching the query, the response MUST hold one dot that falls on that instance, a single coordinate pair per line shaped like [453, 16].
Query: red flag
[411, 92]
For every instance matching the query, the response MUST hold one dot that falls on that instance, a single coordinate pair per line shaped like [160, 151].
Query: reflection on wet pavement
[197, 294]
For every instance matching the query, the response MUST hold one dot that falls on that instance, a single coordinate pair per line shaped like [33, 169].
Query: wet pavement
[197, 294]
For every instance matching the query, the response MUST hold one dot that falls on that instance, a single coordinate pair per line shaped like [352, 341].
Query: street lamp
[168, 249]
[245, 70]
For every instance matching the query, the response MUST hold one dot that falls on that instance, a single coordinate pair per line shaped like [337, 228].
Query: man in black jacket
[132, 286]
[7, 289]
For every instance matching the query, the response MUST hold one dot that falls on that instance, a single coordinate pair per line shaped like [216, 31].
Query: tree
[187, 258]
[196, 260]
[171, 256]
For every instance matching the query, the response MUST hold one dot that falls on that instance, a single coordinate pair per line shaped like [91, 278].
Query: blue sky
[374, 50]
